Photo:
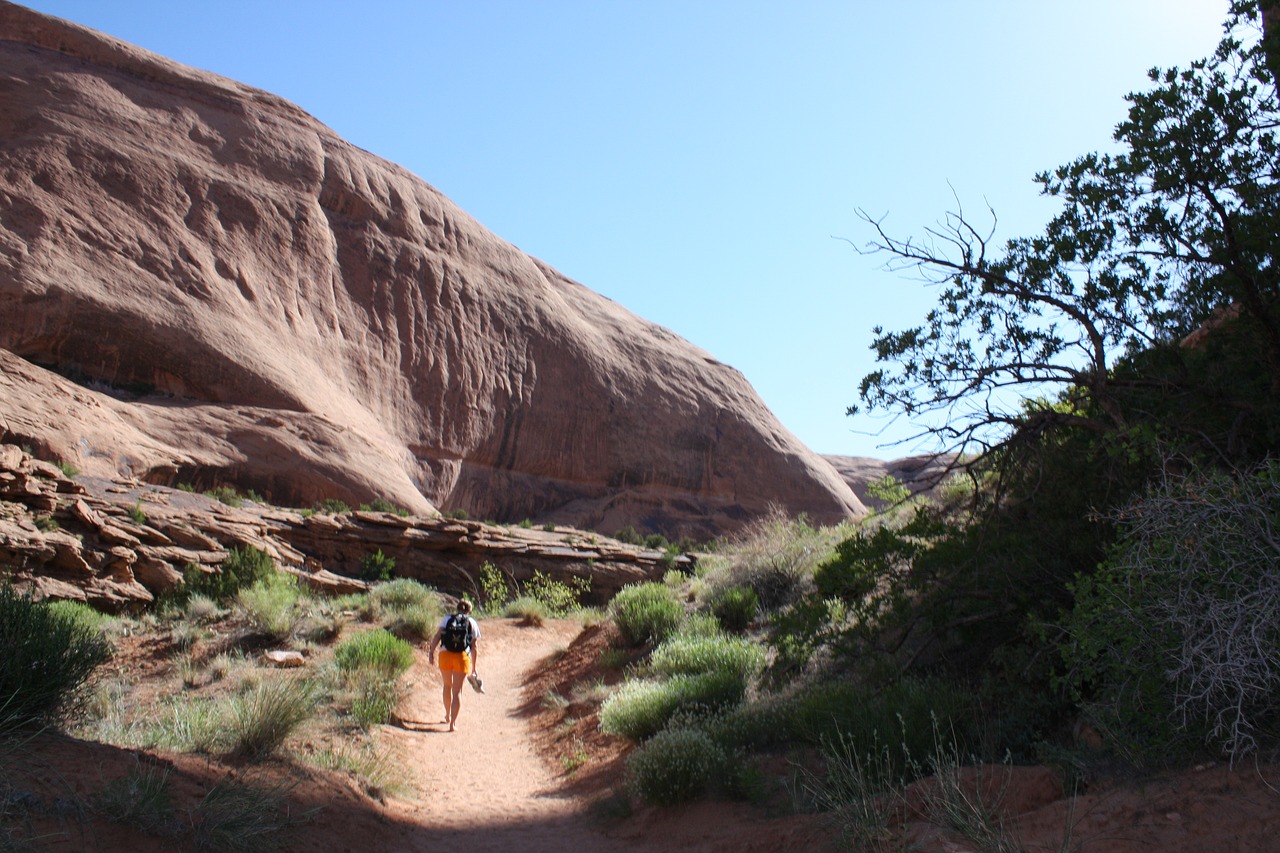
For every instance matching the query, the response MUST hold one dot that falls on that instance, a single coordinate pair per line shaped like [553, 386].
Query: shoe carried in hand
[476, 681]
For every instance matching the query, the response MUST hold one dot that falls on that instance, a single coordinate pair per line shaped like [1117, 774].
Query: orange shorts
[454, 661]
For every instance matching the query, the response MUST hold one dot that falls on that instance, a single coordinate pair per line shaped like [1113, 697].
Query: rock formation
[200, 283]
[119, 545]
[921, 473]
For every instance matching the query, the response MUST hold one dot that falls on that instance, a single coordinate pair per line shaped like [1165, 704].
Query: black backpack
[456, 636]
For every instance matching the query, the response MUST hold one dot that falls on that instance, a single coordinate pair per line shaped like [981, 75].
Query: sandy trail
[484, 786]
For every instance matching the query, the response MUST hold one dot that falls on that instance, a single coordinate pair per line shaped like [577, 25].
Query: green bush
[695, 655]
[261, 719]
[495, 590]
[646, 612]
[269, 605]
[243, 567]
[559, 597]
[83, 614]
[225, 494]
[46, 659]
[332, 506]
[377, 651]
[527, 608]
[377, 566]
[735, 607]
[676, 766]
[406, 607]
[641, 709]
[384, 505]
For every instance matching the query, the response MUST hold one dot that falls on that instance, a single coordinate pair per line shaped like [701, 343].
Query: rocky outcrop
[201, 284]
[119, 544]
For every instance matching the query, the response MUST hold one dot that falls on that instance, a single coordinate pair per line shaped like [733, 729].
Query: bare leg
[447, 694]
[454, 686]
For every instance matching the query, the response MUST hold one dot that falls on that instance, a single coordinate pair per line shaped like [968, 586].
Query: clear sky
[701, 162]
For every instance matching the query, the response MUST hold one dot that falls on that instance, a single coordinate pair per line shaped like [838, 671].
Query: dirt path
[484, 787]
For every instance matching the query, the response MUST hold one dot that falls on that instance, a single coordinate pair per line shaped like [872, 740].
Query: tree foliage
[1175, 229]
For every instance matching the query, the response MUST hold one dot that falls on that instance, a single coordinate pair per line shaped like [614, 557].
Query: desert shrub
[406, 607]
[84, 615]
[775, 556]
[377, 651]
[699, 625]
[559, 597]
[332, 506]
[528, 609]
[384, 505]
[225, 494]
[735, 607]
[859, 787]
[495, 589]
[646, 612]
[137, 514]
[269, 605]
[377, 566]
[202, 608]
[1175, 641]
[640, 709]
[629, 535]
[694, 655]
[375, 699]
[260, 720]
[243, 567]
[140, 799]
[401, 594]
[676, 766]
[47, 657]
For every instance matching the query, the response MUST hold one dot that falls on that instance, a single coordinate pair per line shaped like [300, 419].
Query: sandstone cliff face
[241, 296]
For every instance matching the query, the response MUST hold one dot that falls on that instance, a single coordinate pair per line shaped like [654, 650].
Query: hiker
[458, 634]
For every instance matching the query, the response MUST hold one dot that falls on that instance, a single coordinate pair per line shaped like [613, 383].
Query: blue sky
[702, 162]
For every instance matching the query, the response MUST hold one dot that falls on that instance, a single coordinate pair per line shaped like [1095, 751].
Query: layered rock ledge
[119, 544]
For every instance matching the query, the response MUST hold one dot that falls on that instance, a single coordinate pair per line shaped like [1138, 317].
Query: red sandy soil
[525, 775]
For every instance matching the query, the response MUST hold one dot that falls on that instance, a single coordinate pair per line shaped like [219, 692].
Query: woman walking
[458, 634]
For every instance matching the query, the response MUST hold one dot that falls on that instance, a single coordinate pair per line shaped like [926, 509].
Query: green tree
[1174, 230]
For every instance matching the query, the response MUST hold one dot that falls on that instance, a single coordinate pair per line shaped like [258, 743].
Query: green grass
[238, 818]
[140, 799]
[641, 709]
[263, 718]
[377, 650]
[693, 655]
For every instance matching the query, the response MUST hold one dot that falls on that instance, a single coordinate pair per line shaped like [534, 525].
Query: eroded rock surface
[119, 544]
[243, 297]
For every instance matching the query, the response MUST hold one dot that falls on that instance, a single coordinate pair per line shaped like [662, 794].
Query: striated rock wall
[245, 297]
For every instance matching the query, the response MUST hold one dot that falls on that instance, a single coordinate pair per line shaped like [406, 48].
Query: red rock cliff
[241, 296]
